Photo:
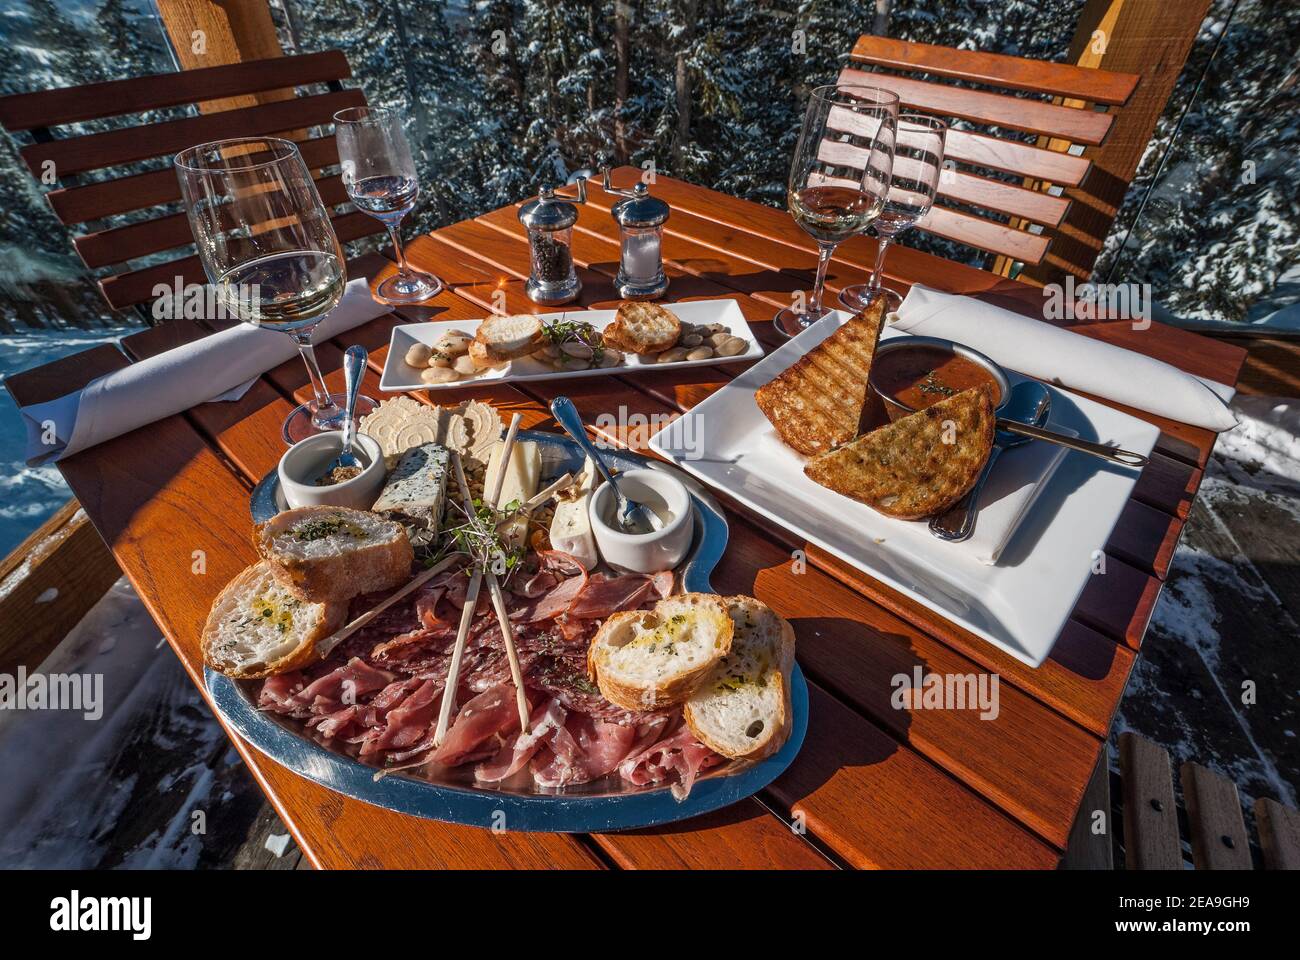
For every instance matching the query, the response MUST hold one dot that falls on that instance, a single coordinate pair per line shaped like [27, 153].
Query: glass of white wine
[267, 246]
[838, 179]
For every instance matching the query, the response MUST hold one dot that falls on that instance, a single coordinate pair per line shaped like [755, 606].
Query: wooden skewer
[327, 645]
[457, 653]
[546, 493]
[471, 600]
[499, 605]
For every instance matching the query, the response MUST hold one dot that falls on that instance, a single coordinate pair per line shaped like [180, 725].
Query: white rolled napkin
[220, 366]
[1062, 357]
[1018, 477]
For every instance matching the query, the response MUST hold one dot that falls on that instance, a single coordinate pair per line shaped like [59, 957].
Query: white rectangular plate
[1020, 604]
[399, 375]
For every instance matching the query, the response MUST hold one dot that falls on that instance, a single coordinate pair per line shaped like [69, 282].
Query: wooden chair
[90, 187]
[1004, 194]
[1151, 820]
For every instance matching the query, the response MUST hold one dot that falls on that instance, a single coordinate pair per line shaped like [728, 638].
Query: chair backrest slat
[995, 109]
[119, 244]
[998, 70]
[111, 148]
[1068, 109]
[105, 198]
[113, 98]
[137, 286]
[153, 193]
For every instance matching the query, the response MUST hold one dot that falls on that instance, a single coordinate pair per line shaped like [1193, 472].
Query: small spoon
[354, 365]
[1030, 403]
[632, 517]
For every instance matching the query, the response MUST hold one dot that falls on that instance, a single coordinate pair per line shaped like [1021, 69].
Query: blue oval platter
[453, 795]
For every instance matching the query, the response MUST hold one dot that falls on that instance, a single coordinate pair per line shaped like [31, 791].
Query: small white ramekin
[307, 459]
[650, 552]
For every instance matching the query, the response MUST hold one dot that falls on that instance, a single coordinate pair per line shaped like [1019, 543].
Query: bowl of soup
[912, 373]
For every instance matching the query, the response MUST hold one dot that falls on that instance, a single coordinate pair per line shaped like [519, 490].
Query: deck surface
[873, 786]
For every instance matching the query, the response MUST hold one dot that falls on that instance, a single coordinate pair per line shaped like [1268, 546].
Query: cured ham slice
[679, 755]
[486, 715]
[604, 595]
[514, 755]
[407, 725]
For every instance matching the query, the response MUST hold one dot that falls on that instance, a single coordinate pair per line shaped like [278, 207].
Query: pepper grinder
[549, 221]
[640, 218]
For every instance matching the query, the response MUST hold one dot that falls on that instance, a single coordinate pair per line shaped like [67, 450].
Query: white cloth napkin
[220, 366]
[1018, 477]
[1062, 357]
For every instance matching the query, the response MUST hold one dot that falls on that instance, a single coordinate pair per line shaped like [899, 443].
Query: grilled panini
[816, 404]
[918, 466]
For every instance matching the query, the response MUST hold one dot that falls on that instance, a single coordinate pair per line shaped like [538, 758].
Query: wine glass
[267, 246]
[380, 177]
[918, 165]
[838, 178]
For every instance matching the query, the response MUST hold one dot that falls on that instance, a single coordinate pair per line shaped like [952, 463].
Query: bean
[691, 340]
[575, 363]
[465, 365]
[552, 350]
[578, 350]
[717, 339]
[438, 375]
[610, 358]
[452, 344]
[732, 346]
[715, 328]
[672, 355]
[417, 355]
[700, 353]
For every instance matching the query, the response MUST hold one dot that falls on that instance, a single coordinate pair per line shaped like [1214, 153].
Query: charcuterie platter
[582, 742]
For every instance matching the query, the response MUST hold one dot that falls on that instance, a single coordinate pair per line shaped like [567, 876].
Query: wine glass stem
[395, 235]
[824, 252]
[878, 274]
[303, 339]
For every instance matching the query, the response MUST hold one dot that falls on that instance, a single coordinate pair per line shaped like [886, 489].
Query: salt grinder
[640, 218]
[549, 221]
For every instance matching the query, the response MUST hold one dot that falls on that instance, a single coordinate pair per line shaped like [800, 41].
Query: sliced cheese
[571, 526]
[519, 483]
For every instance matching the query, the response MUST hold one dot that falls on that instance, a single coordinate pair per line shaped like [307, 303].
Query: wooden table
[873, 786]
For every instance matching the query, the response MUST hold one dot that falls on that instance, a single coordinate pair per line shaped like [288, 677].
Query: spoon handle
[354, 366]
[566, 415]
[957, 523]
[1113, 454]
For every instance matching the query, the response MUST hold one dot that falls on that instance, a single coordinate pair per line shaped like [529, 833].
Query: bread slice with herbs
[816, 404]
[257, 627]
[334, 553]
[917, 466]
[650, 659]
[505, 338]
[641, 327]
[741, 708]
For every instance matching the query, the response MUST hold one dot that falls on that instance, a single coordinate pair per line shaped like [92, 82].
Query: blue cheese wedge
[416, 490]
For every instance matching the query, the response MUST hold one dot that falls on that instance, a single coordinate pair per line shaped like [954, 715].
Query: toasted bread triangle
[816, 404]
[917, 466]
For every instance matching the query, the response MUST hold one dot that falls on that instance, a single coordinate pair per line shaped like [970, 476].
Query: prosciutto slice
[488, 714]
[604, 595]
[408, 724]
[680, 754]
[514, 755]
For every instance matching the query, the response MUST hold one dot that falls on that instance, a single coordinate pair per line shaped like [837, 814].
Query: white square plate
[399, 375]
[1019, 604]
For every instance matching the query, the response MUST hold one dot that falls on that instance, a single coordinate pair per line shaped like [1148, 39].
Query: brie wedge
[520, 483]
[571, 525]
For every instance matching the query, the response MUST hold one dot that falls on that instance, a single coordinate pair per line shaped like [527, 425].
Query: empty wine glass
[918, 165]
[268, 248]
[380, 177]
[838, 178]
